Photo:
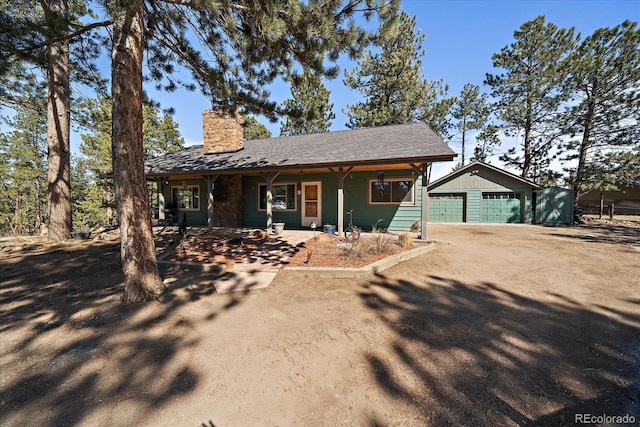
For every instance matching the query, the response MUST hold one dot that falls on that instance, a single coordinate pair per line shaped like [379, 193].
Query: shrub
[405, 240]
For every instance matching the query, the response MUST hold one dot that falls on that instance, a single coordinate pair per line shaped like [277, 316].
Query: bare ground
[500, 325]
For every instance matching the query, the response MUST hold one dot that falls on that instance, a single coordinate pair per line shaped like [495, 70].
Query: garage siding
[476, 179]
[473, 205]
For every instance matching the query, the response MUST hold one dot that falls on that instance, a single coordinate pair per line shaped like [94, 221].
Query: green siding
[472, 183]
[194, 217]
[554, 206]
[474, 200]
[394, 217]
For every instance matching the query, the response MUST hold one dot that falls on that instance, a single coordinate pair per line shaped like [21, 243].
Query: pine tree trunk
[464, 134]
[584, 148]
[58, 136]
[526, 164]
[37, 213]
[17, 217]
[142, 280]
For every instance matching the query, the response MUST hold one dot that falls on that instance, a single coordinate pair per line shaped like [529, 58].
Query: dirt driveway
[500, 325]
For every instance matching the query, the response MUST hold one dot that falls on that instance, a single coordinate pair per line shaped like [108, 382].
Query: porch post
[341, 175]
[340, 201]
[211, 179]
[424, 211]
[269, 207]
[160, 181]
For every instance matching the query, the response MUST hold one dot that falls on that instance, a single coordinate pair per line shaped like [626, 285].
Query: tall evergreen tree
[42, 36]
[392, 84]
[23, 166]
[309, 106]
[604, 117]
[58, 121]
[160, 135]
[253, 129]
[486, 141]
[529, 93]
[471, 110]
[247, 45]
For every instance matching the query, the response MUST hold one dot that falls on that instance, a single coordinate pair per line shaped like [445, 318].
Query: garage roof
[475, 165]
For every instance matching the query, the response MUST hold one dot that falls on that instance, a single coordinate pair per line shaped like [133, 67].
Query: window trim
[186, 187]
[278, 184]
[511, 195]
[412, 191]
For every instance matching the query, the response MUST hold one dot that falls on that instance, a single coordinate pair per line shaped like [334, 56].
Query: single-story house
[376, 173]
[479, 192]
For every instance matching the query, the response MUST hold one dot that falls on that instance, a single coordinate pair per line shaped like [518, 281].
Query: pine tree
[529, 93]
[22, 192]
[603, 119]
[392, 84]
[246, 46]
[43, 36]
[160, 136]
[471, 110]
[487, 140]
[311, 111]
[253, 129]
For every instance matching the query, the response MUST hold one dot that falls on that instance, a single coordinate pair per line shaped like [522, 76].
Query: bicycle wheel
[352, 233]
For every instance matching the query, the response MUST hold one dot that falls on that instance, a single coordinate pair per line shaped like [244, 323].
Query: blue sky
[461, 36]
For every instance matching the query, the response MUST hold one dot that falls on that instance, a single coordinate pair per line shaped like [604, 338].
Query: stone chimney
[222, 131]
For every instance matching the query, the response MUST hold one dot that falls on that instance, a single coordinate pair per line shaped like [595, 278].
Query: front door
[311, 203]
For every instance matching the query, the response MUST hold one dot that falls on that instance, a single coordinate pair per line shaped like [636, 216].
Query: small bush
[405, 240]
[380, 244]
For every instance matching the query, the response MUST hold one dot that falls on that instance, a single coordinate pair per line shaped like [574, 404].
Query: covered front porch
[389, 196]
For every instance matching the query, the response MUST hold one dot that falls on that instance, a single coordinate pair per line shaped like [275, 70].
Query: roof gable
[486, 172]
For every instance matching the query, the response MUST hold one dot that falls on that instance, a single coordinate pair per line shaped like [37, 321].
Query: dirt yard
[500, 325]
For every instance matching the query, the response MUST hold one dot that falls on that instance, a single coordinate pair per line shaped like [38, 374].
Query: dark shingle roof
[380, 145]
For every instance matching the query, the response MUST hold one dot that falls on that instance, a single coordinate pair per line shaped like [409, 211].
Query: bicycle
[351, 232]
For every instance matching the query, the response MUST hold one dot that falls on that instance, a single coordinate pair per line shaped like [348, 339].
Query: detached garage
[480, 192]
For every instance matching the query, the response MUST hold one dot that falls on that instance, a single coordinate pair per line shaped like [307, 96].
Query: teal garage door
[446, 207]
[501, 207]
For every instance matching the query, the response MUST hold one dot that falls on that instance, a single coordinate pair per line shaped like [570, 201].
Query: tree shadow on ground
[605, 234]
[70, 350]
[479, 355]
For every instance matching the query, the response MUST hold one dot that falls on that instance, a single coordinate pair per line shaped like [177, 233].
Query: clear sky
[461, 36]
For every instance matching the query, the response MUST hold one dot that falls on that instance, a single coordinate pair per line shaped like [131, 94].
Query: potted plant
[278, 228]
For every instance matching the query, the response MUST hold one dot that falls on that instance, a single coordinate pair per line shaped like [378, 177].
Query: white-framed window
[501, 196]
[186, 198]
[283, 196]
[392, 191]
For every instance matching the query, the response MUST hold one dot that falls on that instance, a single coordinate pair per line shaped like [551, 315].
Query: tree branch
[89, 27]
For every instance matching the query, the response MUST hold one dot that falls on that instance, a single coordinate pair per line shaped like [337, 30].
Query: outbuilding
[480, 192]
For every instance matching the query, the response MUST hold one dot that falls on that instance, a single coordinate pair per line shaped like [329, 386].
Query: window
[446, 196]
[392, 191]
[284, 197]
[500, 196]
[186, 198]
